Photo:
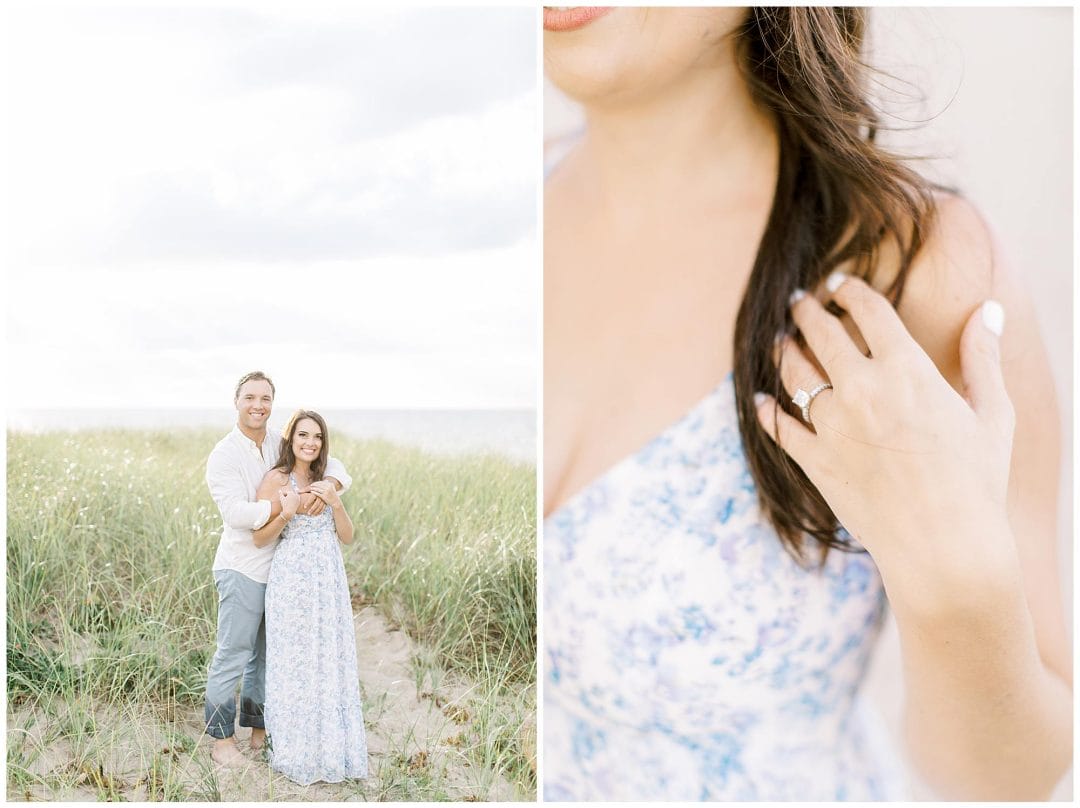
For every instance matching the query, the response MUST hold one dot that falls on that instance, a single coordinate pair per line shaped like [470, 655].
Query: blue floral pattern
[687, 655]
[313, 713]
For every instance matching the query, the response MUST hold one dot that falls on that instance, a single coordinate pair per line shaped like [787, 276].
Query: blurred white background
[343, 197]
[994, 89]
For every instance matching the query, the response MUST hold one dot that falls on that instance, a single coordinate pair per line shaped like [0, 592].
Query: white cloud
[445, 331]
[340, 195]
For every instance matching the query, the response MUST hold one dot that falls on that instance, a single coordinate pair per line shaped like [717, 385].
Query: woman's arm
[1007, 732]
[956, 506]
[961, 268]
[271, 488]
[327, 491]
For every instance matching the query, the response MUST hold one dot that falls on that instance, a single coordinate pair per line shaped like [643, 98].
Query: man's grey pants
[241, 652]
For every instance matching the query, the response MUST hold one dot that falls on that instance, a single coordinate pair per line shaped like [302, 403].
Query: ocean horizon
[507, 432]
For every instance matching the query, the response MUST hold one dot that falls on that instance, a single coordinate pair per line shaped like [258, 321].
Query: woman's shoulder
[275, 477]
[957, 268]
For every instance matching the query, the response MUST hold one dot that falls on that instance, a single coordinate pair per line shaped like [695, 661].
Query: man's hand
[313, 499]
[310, 503]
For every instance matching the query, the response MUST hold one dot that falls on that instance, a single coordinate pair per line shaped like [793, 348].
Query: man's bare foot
[258, 737]
[226, 753]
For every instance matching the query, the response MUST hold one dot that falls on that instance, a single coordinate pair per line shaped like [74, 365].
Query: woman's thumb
[980, 364]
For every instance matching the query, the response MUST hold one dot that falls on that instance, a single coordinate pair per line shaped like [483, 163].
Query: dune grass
[112, 607]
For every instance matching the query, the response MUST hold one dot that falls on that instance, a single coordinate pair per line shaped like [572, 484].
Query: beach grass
[112, 607]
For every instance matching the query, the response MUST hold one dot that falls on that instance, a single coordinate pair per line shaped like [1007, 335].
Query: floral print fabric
[687, 655]
[313, 714]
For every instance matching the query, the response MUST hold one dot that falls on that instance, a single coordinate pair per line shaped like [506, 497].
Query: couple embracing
[285, 622]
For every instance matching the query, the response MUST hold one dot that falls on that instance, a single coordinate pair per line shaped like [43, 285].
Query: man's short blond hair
[254, 376]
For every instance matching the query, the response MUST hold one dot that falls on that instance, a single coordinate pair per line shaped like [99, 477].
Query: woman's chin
[594, 60]
[593, 77]
[630, 52]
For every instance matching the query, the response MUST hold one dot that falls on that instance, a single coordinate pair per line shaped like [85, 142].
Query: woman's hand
[910, 468]
[327, 492]
[290, 501]
[309, 503]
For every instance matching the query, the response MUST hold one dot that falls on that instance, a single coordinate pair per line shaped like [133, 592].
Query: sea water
[511, 433]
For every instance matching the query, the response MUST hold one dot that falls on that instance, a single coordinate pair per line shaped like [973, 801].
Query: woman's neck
[302, 468]
[701, 135]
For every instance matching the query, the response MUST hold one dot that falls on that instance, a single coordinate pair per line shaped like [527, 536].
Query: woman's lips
[569, 19]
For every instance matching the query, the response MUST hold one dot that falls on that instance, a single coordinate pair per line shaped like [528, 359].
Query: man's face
[254, 403]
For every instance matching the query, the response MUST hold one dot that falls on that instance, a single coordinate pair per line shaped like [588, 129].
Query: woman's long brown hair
[839, 198]
[287, 458]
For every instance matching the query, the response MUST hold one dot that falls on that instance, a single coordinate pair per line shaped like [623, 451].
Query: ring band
[803, 399]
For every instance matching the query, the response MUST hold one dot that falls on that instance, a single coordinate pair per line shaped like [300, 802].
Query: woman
[313, 713]
[711, 429]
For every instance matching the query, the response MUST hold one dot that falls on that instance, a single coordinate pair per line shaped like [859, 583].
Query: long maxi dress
[313, 714]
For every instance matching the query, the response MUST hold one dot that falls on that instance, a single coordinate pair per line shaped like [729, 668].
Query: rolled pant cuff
[251, 714]
[217, 726]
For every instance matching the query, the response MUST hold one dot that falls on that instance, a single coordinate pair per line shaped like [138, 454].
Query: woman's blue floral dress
[313, 715]
[687, 656]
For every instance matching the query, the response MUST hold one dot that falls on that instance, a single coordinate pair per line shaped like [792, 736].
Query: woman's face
[626, 53]
[307, 440]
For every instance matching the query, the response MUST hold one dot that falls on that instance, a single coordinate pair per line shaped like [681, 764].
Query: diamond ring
[803, 399]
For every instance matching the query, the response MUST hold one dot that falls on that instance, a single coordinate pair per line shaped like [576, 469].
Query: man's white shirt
[233, 472]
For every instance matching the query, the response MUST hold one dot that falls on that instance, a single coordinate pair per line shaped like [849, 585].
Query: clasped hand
[290, 501]
[900, 457]
[310, 500]
[326, 492]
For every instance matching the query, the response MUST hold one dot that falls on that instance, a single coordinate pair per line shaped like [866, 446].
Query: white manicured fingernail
[759, 399]
[796, 296]
[993, 317]
[832, 283]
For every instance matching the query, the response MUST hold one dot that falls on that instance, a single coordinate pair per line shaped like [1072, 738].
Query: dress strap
[557, 148]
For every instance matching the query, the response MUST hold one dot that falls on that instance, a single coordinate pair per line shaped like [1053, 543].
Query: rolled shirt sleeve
[226, 483]
[335, 469]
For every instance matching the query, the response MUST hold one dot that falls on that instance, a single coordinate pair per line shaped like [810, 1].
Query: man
[233, 472]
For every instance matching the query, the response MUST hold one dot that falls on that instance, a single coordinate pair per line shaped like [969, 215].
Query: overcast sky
[344, 199]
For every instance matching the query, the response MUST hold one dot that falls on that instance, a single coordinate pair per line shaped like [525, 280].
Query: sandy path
[417, 720]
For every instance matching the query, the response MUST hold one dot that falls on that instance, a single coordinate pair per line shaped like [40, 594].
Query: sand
[418, 723]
